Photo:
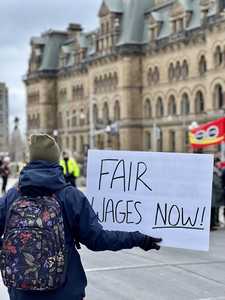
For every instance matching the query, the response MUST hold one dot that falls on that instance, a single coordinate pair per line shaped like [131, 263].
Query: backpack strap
[76, 233]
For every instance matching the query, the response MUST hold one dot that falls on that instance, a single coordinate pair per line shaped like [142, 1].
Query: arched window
[218, 101]
[105, 114]
[95, 114]
[172, 107]
[202, 66]
[110, 81]
[117, 111]
[74, 144]
[199, 103]
[156, 75]
[74, 119]
[185, 70]
[96, 85]
[159, 108]
[100, 84]
[178, 71]
[185, 104]
[171, 72]
[147, 109]
[218, 56]
[149, 76]
[107, 27]
[115, 80]
[148, 140]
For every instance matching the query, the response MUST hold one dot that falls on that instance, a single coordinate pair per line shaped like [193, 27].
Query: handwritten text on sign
[161, 194]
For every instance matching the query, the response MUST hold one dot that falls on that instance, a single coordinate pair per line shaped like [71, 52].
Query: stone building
[139, 80]
[4, 123]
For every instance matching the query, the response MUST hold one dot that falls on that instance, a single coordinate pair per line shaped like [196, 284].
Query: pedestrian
[217, 195]
[5, 171]
[49, 219]
[71, 169]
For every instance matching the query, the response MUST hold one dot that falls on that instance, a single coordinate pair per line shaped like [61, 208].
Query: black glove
[150, 243]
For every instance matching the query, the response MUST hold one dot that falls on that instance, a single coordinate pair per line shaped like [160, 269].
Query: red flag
[208, 134]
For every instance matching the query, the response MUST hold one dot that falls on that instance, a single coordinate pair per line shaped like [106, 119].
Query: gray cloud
[19, 21]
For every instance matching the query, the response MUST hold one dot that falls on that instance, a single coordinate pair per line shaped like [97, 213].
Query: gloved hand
[150, 243]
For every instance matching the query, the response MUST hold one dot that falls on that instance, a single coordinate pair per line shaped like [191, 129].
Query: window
[185, 70]
[160, 141]
[95, 114]
[117, 111]
[172, 107]
[172, 141]
[106, 114]
[74, 143]
[202, 66]
[156, 75]
[218, 97]
[159, 108]
[178, 71]
[218, 56]
[148, 141]
[60, 121]
[147, 109]
[199, 103]
[74, 119]
[149, 76]
[171, 72]
[67, 142]
[185, 105]
[68, 119]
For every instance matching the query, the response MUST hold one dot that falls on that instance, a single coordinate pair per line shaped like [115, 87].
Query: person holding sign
[44, 203]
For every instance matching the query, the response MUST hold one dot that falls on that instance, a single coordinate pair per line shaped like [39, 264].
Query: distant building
[151, 68]
[4, 119]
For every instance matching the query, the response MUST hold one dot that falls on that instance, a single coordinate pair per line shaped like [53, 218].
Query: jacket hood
[41, 176]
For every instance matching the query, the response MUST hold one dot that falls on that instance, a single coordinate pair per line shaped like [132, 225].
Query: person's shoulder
[74, 193]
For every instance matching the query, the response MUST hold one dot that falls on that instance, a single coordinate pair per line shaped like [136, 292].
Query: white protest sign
[165, 195]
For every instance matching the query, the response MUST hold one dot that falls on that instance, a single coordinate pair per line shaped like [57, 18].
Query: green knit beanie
[44, 147]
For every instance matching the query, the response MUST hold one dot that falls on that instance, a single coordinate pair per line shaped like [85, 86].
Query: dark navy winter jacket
[41, 177]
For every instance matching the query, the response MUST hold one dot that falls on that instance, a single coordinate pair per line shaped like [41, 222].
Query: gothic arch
[199, 102]
[172, 105]
[147, 108]
[199, 87]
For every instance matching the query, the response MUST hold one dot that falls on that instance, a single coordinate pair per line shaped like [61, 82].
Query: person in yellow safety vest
[71, 169]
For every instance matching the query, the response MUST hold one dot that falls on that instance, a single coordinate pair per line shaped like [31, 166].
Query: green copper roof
[114, 5]
[133, 22]
[51, 51]
[134, 27]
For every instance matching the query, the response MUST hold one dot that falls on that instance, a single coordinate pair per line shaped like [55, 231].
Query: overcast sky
[22, 19]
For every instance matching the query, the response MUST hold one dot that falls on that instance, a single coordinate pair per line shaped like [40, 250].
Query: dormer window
[180, 18]
[205, 5]
[116, 23]
[155, 23]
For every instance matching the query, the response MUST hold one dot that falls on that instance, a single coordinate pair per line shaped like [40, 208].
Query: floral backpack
[33, 256]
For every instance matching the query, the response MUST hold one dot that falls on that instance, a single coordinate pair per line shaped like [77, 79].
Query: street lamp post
[92, 123]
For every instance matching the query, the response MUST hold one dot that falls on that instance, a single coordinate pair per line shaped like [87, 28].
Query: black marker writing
[123, 175]
[118, 211]
[175, 217]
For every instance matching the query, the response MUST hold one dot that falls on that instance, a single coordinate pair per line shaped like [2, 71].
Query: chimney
[74, 30]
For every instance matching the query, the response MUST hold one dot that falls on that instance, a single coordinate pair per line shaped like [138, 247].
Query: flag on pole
[208, 134]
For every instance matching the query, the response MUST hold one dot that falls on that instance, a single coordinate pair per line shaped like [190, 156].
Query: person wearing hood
[43, 176]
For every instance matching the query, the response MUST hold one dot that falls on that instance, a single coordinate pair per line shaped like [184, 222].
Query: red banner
[208, 134]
